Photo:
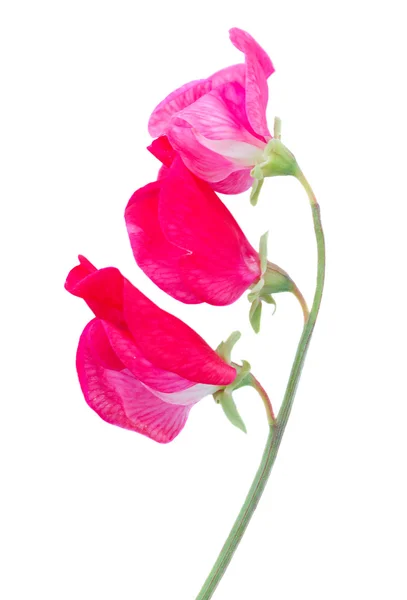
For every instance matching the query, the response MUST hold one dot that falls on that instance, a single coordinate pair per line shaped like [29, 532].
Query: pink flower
[218, 125]
[186, 240]
[140, 367]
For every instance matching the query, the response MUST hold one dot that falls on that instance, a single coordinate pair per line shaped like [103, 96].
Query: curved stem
[277, 427]
[302, 301]
[264, 396]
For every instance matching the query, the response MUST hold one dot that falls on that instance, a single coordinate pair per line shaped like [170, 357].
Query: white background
[90, 511]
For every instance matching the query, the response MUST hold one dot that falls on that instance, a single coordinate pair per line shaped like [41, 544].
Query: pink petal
[219, 115]
[170, 344]
[172, 104]
[235, 183]
[162, 149]
[205, 163]
[126, 351]
[120, 399]
[220, 264]
[193, 217]
[78, 273]
[188, 94]
[258, 68]
[244, 42]
[101, 289]
[216, 281]
[154, 254]
[235, 73]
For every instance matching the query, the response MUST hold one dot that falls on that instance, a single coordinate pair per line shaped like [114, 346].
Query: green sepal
[263, 252]
[256, 187]
[255, 314]
[225, 348]
[230, 410]
[268, 298]
[256, 289]
[224, 397]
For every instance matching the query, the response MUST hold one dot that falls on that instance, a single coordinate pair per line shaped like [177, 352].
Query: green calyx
[224, 397]
[272, 281]
[278, 160]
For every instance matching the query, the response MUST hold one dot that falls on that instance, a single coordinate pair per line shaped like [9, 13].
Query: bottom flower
[140, 367]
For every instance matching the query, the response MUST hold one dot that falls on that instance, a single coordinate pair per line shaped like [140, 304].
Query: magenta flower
[218, 125]
[140, 367]
[185, 239]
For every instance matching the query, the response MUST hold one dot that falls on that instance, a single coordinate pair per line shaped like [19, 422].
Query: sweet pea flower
[140, 367]
[185, 239]
[218, 125]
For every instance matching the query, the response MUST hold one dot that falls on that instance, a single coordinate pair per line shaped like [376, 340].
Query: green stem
[277, 426]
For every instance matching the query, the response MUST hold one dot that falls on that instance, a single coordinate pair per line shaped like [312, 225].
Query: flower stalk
[276, 425]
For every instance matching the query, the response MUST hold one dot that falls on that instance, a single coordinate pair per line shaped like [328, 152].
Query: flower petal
[205, 163]
[174, 102]
[192, 216]
[235, 183]
[217, 282]
[220, 115]
[162, 149]
[131, 358]
[170, 344]
[258, 68]
[244, 42]
[101, 289]
[120, 399]
[154, 254]
[220, 263]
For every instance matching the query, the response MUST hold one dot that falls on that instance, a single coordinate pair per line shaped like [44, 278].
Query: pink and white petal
[170, 344]
[218, 283]
[101, 289]
[233, 96]
[154, 254]
[174, 102]
[235, 183]
[192, 217]
[206, 164]
[130, 356]
[120, 399]
[241, 153]
[190, 396]
[212, 118]
[162, 149]
[244, 42]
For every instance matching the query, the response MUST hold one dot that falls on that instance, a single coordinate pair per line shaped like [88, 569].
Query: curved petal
[126, 351]
[188, 94]
[220, 263]
[120, 399]
[218, 115]
[217, 282]
[234, 73]
[205, 163]
[235, 183]
[170, 344]
[188, 397]
[154, 254]
[192, 217]
[258, 68]
[162, 149]
[101, 289]
[244, 42]
[174, 102]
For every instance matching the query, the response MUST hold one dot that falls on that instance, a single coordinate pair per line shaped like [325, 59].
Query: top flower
[218, 125]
